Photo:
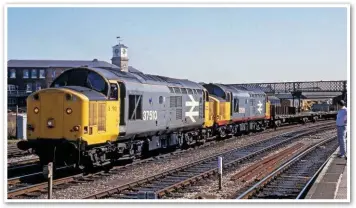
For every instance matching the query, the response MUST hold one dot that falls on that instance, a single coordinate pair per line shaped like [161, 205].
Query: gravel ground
[209, 188]
[81, 190]
[18, 159]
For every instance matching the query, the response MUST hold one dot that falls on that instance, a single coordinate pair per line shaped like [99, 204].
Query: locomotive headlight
[69, 111]
[36, 110]
[50, 122]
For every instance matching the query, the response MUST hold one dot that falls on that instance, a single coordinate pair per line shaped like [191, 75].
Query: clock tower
[119, 57]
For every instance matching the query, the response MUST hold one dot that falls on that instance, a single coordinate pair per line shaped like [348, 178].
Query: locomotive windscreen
[83, 78]
[215, 90]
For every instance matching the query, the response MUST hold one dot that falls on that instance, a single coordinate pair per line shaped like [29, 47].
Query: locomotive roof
[255, 89]
[272, 97]
[91, 94]
[139, 77]
[250, 90]
[234, 90]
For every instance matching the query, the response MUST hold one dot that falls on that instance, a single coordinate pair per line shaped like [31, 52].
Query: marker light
[69, 111]
[50, 122]
[36, 110]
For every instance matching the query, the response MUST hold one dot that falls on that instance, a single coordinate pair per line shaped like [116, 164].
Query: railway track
[33, 190]
[24, 184]
[19, 169]
[255, 171]
[159, 185]
[22, 162]
[293, 179]
[13, 151]
[22, 190]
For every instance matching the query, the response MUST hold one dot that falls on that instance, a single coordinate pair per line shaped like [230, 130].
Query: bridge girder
[293, 87]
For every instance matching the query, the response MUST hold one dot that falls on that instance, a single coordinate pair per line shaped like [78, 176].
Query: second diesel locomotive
[94, 116]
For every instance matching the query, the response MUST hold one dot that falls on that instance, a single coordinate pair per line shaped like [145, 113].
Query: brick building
[27, 76]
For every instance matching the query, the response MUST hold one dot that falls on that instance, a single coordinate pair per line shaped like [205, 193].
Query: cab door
[122, 98]
[208, 110]
[113, 108]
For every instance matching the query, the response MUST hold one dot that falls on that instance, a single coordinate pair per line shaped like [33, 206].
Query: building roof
[59, 63]
[65, 64]
[121, 45]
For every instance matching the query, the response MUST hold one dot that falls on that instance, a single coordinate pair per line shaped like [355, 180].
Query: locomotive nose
[51, 114]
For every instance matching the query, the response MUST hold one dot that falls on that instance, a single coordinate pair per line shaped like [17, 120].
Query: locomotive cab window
[83, 78]
[236, 105]
[114, 92]
[96, 82]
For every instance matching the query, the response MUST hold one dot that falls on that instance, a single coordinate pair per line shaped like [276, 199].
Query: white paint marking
[259, 106]
[192, 103]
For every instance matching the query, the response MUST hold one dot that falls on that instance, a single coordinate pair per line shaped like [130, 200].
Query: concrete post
[220, 172]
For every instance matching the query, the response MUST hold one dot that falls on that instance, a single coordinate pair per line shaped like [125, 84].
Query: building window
[135, 107]
[13, 73]
[12, 101]
[42, 73]
[33, 73]
[25, 74]
[10, 87]
[29, 87]
[53, 73]
[38, 86]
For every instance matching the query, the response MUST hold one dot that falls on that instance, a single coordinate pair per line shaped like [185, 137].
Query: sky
[223, 45]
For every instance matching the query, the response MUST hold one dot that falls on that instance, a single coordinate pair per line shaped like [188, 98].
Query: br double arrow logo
[259, 107]
[192, 104]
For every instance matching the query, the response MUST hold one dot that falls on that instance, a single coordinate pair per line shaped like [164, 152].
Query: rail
[157, 186]
[258, 188]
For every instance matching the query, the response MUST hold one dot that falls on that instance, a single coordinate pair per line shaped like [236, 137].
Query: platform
[332, 180]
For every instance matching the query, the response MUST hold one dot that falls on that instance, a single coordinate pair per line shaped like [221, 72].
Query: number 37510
[150, 115]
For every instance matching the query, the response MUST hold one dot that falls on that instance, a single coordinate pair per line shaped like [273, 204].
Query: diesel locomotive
[92, 117]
